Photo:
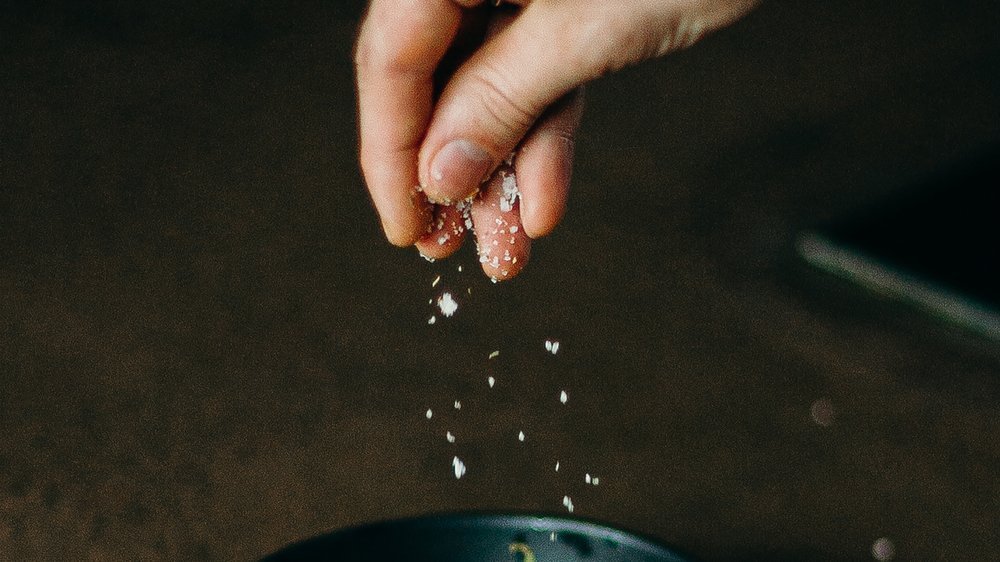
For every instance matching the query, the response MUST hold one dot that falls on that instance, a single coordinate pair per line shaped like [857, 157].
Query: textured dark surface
[208, 351]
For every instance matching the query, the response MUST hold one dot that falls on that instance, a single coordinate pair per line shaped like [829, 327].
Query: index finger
[399, 46]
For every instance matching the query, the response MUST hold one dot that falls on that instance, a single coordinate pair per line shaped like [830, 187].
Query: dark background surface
[208, 351]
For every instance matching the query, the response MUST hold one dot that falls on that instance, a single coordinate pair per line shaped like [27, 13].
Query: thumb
[550, 48]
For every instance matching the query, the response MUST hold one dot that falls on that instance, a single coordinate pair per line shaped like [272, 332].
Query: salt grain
[494, 354]
[491, 381]
[596, 481]
[460, 269]
[563, 397]
[432, 319]
[548, 345]
[458, 405]
[449, 437]
[459, 467]
[520, 436]
[557, 466]
[568, 503]
[586, 478]
[429, 413]
[447, 304]
[555, 347]
[436, 280]
[883, 549]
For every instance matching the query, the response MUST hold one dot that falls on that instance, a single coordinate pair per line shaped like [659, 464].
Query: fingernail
[457, 170]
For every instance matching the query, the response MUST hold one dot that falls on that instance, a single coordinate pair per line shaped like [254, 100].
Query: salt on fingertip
[586, 478]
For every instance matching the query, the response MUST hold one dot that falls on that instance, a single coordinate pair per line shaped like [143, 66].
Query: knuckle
[510, 111]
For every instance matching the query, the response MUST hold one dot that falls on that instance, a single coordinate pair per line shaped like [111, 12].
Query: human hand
[424, 155]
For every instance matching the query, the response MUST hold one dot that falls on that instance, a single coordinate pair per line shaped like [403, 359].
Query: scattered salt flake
[447, 304]
[563, 397]
[568, 503]
[458, 405]
[557, 466]
[586, 478]
[520, 436]
[459, 467]
[449, 437]
[432, 319]
[436, 281]
[491, 381]
[548, 345]
[429, 414]
[595, 481]
[555, 347]
[883, 549]
[460, 269]
[494, 354]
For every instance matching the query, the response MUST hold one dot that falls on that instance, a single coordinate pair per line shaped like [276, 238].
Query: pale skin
[433, 129]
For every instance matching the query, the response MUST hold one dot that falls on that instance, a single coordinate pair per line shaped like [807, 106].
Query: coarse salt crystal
[432, 319]
[494, 354]
[548, 345]
[586, 478]
[459, 467]
[555, 347]
[458, 405]
[513, 228]
[429, 413]
[520, 436]
[563, 397]
[595, 481]
[491, 381]
[568, 503]
[447, 304]
[449, 437]
[460, 269]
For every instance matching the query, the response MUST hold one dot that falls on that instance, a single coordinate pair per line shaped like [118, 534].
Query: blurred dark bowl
[481, 537]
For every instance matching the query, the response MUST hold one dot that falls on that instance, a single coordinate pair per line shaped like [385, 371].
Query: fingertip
[503, 245]
[544, 168]
[446, 232]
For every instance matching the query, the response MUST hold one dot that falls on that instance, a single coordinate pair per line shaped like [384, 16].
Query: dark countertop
[207, 350]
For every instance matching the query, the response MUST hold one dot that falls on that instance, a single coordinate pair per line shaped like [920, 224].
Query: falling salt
[447, 304]
[449, 437]
[548, 345]
[436, 281]
[555, 347]
[429, 414]
[552, 536]
[458, 405]
[491, 380]
[494, 354]
[568, 503]
[520, 436]
[586, 478]
[563, 397]
[460, 269]
[432, 319]
[460, 468]
[557, 466]
[596, 481]
[883, 549]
